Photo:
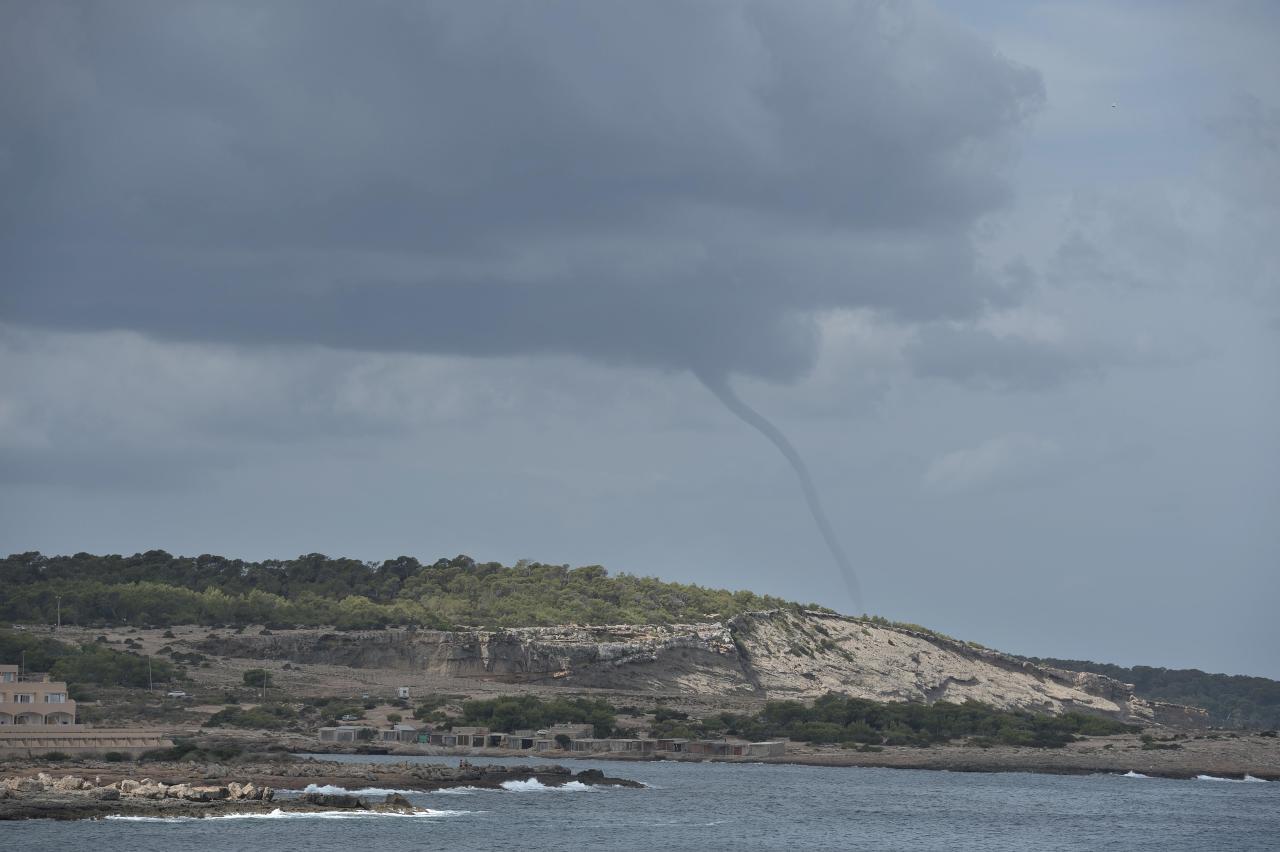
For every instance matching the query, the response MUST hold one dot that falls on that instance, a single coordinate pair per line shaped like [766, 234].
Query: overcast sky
[373, 279]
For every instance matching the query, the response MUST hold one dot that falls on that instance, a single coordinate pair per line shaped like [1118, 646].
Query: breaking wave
[533, 784]
[1132, 774]
[1247, 779]
[457, 791]
[334, 790]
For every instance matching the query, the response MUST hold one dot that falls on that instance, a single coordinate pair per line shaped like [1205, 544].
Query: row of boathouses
[572, 738]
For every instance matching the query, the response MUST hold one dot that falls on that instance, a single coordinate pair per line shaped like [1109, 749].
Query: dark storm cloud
[660, 184]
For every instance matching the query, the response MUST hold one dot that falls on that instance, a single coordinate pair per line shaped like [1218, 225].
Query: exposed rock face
[623, 656]
[776, 654]
[801, 656]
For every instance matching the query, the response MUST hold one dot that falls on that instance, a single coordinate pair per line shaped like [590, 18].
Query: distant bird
[1113, 106]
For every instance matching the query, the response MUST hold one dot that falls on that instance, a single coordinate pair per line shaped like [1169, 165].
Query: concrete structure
[340, 734]
[402, 692]
[399, 733]
[588, 745]
[79, 740]
[474, 737]
[726, 747]
[633, 746]
[37, 716]
[33, 700]
[581, 742]
[519, 739]
[572, 731]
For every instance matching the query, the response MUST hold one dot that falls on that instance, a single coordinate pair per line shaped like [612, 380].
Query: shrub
[115, 757]
[257, 678]
[271, 717]
[185, 749]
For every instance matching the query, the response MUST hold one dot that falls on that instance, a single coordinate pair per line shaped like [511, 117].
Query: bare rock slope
[775, 654]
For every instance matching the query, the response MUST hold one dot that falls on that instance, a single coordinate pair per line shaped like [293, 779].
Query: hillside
[1233, 701]
[458, 618]
[754, 657]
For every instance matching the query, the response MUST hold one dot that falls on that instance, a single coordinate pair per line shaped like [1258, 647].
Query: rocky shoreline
[191, 790]
[1220, 754]
[1228, 755]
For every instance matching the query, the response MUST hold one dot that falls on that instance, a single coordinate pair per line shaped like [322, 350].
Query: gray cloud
[390, 189]
[1005, 459]
[667, 185]
[983, 359]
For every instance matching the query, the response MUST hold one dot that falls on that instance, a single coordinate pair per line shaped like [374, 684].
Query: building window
[24, 698]
[55, 698]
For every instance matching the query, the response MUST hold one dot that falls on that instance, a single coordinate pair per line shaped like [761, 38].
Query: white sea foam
[533, 784]
[1247, 779]
[1132, 774]
[457, 791]
[333, 790]
[279, 814]
[1252, 780]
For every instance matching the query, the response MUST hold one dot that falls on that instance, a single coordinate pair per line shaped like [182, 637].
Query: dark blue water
[707, 806]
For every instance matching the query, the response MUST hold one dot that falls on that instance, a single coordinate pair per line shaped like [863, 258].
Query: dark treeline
[527, 712]
[84, 664]
[1233, 701]
[157, 588]
[833, 718]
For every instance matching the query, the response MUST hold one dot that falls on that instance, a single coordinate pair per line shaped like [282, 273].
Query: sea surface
[713, 806]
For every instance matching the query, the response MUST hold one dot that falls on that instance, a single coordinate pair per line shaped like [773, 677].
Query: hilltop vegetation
[1233, 701]
[84, 664]
[156, 588]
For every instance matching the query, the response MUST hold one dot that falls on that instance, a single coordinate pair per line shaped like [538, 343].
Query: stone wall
[88, 741]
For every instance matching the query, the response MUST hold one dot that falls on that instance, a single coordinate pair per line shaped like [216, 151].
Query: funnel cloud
[719, 385]
[432, 278]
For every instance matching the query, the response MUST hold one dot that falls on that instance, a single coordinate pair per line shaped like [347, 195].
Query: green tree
[257, 678]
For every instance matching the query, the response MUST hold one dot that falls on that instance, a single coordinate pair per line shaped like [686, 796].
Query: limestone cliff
[775, 654]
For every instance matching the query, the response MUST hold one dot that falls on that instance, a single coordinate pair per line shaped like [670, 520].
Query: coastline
[1224, 755]
[1230, 756]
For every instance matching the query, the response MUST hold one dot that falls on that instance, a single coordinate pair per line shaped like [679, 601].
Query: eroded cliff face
[689, 658]
[777, 654]
[800, 656]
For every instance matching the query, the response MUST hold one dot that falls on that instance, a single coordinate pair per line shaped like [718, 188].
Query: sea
[722, 806]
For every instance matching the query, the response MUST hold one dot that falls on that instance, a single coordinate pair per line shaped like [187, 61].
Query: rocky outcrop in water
[74, 797]
[43, 796]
